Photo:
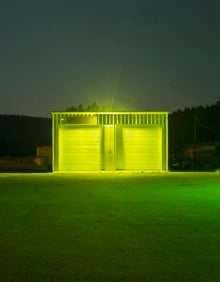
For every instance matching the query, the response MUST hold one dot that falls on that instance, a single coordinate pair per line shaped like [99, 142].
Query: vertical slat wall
[115, 118]
[131, 118]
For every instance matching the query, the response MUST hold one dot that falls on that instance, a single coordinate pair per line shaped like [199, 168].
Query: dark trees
[205, 120]
[94, 107]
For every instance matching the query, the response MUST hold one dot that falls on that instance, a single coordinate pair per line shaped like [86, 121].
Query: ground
[109, 226]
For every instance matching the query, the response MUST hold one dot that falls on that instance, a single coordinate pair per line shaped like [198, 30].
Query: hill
[21, 135]
[195, 125]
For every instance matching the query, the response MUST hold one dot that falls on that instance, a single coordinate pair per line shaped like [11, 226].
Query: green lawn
[110, 227]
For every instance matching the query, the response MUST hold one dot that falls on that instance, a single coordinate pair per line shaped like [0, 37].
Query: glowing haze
[137, 55]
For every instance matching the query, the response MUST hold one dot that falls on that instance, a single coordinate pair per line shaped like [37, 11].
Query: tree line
[21, 135]
[194, 125]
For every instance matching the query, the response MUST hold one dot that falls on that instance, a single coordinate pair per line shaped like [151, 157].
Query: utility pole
[195, 137]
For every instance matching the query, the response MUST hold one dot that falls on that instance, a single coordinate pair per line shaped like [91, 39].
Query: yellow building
[85, 141]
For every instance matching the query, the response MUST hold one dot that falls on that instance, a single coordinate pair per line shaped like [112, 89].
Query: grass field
[110, 227]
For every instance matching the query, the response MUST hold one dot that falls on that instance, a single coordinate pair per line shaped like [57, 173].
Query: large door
[80, 147]
[139, 148]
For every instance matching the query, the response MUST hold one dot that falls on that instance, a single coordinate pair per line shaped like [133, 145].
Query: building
[109, 141]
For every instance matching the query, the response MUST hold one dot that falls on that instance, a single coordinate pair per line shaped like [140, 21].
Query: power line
[205, 126]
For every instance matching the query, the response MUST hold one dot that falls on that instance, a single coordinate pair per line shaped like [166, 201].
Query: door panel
[109, 147]
[139, 148]
[80, 148]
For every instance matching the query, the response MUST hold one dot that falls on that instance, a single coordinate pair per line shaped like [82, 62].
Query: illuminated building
[86, 141]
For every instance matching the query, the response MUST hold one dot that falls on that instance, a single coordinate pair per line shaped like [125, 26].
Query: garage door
[80, 148]
[139, 148]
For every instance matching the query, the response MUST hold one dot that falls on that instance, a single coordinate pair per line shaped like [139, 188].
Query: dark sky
[133, 55]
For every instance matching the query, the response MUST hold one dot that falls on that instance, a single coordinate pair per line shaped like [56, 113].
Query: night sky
[129, 55]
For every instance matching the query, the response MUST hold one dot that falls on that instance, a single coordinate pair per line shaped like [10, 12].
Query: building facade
[85, 141]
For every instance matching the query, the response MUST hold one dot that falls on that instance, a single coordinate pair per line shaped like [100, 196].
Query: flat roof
[122, 112]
